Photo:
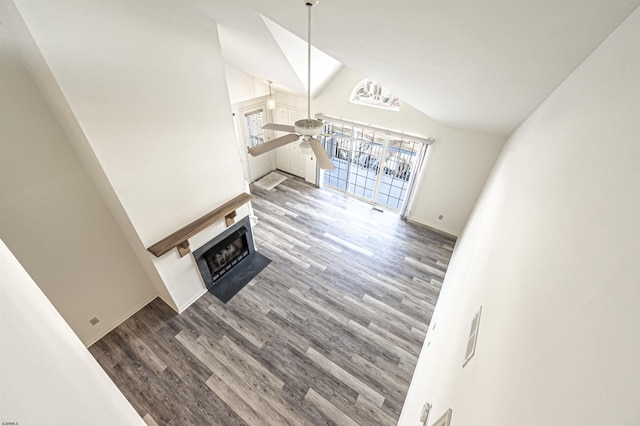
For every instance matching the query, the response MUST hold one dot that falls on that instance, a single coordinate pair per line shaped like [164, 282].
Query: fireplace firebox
[225, 252]
[229, 261]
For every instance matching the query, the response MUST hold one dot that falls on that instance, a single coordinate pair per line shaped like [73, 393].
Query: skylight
[324, 67]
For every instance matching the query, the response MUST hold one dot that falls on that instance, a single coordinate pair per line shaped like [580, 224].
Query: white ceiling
[483, 65]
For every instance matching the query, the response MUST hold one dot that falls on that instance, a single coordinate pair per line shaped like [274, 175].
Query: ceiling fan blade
[321, 154]
[273, 144]
[279, 127]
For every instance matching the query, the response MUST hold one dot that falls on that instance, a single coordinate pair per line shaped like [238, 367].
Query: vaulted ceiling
[483, 65]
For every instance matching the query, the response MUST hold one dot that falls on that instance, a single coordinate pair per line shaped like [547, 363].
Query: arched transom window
[372, 94]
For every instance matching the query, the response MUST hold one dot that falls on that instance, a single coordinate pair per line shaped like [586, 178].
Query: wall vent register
[473, 337]
[424, 415]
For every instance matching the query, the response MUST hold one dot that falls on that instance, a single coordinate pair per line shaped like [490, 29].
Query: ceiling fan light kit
[305, 147]
[271, 103]
[304, 129]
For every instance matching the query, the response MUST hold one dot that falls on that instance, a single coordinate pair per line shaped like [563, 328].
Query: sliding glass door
[371, 164]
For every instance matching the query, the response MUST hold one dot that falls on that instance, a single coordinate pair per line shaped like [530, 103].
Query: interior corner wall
[551, 254]
[457, 164]
[147, 87]
[48, 376]
[52, 216]
[243, 87]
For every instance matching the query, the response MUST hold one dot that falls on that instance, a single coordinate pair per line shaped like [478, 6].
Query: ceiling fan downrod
[305, 129]
[309, 127]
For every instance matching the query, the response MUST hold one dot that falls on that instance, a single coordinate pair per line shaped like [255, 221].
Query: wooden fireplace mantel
[180, 238]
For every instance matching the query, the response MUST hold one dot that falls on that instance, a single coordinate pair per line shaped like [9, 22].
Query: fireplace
[221, 255]
[222, 258]
[229, 261]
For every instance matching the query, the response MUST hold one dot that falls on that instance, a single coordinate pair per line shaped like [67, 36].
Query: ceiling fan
[306, 128]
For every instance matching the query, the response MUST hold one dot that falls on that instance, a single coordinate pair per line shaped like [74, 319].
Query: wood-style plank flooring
[328, 334]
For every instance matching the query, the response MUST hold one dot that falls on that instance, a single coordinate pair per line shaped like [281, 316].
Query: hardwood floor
[328, 334]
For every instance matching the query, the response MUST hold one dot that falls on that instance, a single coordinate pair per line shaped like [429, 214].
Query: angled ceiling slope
[483, 65]
[323, 66]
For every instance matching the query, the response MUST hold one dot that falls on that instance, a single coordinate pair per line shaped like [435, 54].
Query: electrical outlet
[94, 321]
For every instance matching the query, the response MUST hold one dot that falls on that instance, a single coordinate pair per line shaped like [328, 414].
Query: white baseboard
[444, 232]
[121, 320]
[184, 307]
[181, 309]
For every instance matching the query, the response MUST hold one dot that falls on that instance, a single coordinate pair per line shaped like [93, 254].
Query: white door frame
[256, 167]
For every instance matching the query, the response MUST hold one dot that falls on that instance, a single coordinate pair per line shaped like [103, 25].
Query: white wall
[457, 165]
[243, 87]
[147, 87]
[48, 377]
[551, 253]
[52, 216]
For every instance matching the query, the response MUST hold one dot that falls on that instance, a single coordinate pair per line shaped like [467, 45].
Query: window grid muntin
[367, 146]
[254, 122]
